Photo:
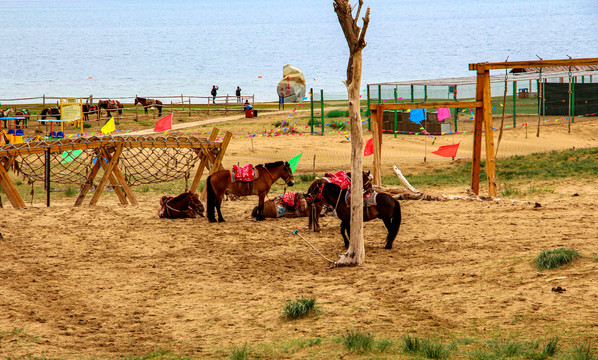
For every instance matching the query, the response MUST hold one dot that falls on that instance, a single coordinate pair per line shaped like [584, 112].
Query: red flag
[447, 150]
[164, 124]
[369, 147]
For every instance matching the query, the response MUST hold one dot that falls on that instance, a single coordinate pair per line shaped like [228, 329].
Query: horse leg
[218, 203]
[260, 208]
[345, 228]
[395, 224]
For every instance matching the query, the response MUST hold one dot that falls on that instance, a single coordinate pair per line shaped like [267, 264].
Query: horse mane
[141, 99]
[271, 165]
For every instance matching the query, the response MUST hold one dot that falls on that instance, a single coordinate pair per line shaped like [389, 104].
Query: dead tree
[356, 40]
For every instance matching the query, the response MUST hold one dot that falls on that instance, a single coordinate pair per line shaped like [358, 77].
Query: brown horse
[90, 109]
[275, 208]
[51, 112]
[110, 105]
[316, 201]
[5, 113]
[386, 208]
[185, 205]
[221, 181]
[148, 103]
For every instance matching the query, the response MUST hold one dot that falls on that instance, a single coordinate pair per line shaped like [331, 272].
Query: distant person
[214, 92]
[248, 105]
[238, 93]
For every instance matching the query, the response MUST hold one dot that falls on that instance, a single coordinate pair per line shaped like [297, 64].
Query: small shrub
[307, 177]
[70, 191]
[86, 125]
[299, 308]
[550, 348]
[411, 344]
[278, 123]
[337, 113]
[384, 345]
[583, 352]
[241, 353]
[552, 259]
[434, 350]
[359, 342]
[509, 191]
[338, 125]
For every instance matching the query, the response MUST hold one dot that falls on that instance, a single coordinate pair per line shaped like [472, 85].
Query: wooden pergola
[483, 115]
[209, 151]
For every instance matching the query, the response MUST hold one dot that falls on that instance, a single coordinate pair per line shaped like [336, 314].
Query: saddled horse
[23, 113]
[278, 207]
[221, 181]
[148, 103]
[5, 113]
[316, 203]
[386, 208]
[51, 112]
[90, 109]
[185, 205]
[110, 105]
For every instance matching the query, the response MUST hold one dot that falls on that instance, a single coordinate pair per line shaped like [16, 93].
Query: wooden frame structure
[210, 154]
[483, 115]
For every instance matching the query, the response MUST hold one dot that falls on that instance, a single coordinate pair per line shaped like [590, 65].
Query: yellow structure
[71, 109]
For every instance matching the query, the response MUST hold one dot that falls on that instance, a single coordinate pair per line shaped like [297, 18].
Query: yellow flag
[108, 127]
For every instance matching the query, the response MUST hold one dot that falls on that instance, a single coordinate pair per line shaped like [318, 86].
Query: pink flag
[447, 150]
[369, 147]
[443, 113]
[164, 124]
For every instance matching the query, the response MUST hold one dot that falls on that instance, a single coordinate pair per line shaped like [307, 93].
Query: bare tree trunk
[355, 36]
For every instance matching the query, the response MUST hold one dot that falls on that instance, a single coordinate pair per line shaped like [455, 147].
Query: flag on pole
[369, 147]
[443, 113]
[164, 124]
[417, 115]
[294, 161]
[447, 150]
[108, 127]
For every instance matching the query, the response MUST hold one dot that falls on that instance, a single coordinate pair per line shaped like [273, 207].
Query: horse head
[137, 100]
[196, 204]
[287, 174]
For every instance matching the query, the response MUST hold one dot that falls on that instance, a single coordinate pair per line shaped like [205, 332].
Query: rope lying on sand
[296, 232]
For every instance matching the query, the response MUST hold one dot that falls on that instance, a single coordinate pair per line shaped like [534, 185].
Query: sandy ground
[112, 280]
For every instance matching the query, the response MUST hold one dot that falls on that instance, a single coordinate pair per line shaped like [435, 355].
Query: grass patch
[552, 259]
[358, 342]
[424, 347]
[159, 355]
[299, 308]
[307, 177]
[240, 353]
[70, 192]
[583, 352]
[337, 113]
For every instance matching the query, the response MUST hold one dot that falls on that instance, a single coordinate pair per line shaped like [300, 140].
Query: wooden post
[490, 166]
[226, 106]
[85, 188]
[182, 102]
[204, 161]
[217, 161]
[477, 136]
[10, 190]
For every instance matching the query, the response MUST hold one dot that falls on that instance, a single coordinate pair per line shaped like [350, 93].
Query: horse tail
[395, 224]
[211, 200]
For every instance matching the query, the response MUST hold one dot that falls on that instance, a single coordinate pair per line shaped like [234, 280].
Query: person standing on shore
[214, 92]
[238, 93]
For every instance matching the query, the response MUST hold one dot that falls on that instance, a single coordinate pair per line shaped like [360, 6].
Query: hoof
[388, 247]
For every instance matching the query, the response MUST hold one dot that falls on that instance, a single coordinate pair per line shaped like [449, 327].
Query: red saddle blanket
[246, 173]
[289, 198]
[340, 178]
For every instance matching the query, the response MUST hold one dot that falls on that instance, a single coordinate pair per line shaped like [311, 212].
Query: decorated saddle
[290, 203]
[369, 198]
[339, 178]
[244, 174]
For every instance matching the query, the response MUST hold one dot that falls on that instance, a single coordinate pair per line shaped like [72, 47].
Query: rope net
[140, 165]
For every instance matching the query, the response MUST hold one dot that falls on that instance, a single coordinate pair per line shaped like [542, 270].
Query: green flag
[69, 156]
[294, 161]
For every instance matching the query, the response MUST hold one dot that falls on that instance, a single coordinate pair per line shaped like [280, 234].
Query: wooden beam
[532, 63]
[117, 190]
[88, 183]
[429, 105]
[487, 114]
[122, 181]
[477, 137]
[107, 173]
[377, 136]
[218, 161]
[204, 161]
[10, 189]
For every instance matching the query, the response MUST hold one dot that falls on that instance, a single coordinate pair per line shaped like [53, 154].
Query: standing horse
[24, 113]
[51, 112]
[387, 208]
[316, 202]
[221, 180]
[5, 113]
[148, 103]
[110, 105]
[90, 109]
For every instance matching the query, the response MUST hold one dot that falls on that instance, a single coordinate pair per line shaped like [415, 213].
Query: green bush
[337, 113]
[358, 342]
[552, 259]
[299, 308]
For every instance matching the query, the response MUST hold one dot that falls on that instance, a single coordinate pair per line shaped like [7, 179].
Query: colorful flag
[294, 161]
[108, 127]
[417, 115]
[164, 124]
[443, 113]
[369, 147]
[447, 150]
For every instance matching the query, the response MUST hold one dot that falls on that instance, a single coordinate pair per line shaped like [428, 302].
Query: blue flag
[417, 115]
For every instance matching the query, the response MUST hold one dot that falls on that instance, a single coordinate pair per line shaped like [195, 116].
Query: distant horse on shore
[90, 109]
[148, 103]
[5, 113]
[110, 105]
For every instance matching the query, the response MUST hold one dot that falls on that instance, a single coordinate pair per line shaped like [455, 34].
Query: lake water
[165, 48]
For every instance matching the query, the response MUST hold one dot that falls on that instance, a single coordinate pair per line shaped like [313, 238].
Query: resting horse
[221, 180]
[185, 205]
[148, 103]
[386, 208]
[110, 105]
[278, 207]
